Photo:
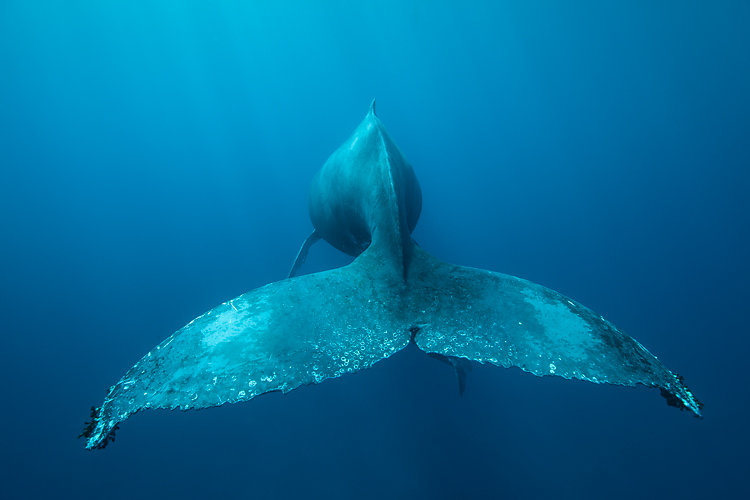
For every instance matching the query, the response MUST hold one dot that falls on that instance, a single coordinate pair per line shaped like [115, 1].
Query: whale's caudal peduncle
[366, 201]
[367, 193]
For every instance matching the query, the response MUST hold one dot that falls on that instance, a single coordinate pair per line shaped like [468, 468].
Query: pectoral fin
[302, 254]
[462, 367]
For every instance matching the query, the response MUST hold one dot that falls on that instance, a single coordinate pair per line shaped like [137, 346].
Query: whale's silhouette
[366, 201]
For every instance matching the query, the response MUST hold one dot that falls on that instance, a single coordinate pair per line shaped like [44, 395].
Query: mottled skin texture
[366, 201]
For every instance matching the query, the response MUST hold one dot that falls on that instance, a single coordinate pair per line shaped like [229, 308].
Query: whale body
[366, 201]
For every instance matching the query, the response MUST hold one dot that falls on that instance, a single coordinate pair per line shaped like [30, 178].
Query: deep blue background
[155, 160]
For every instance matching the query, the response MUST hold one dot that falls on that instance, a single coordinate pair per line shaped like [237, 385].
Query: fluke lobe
[366, 201]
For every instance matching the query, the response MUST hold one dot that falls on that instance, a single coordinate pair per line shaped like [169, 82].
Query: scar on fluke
[365, 201]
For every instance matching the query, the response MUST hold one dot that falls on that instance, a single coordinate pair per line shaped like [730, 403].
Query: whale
[365, 201]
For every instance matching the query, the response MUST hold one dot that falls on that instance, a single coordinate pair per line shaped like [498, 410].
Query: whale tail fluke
[366, 201]
[278, 337]
[506, 321]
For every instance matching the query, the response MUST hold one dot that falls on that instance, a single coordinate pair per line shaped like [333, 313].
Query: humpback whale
[366, 201]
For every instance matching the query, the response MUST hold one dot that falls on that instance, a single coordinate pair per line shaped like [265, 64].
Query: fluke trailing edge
[366, 201]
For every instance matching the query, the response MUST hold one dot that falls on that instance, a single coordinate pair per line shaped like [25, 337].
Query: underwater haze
[155, 159]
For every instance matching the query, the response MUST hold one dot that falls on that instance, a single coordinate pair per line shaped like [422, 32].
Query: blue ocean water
[155, 159]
